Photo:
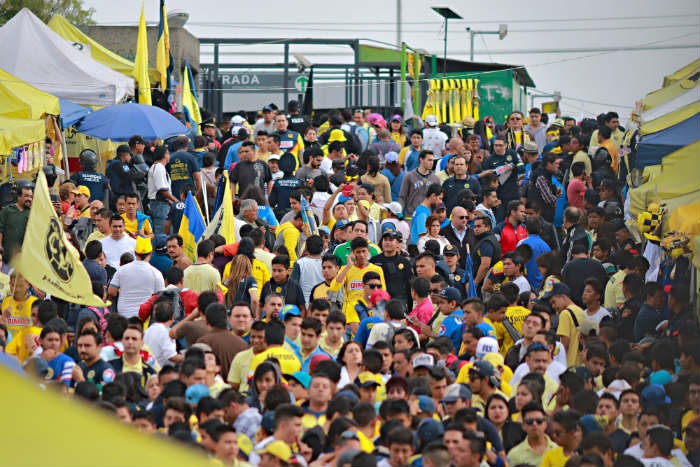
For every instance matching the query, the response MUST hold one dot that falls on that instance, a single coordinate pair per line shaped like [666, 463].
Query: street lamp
[448, 14]
[502, 33]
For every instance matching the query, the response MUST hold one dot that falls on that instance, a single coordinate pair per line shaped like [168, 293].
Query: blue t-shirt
[451, 327]
[539, 247]
[411, 161]
[181, 168]
[561, 204]
[394, 182]
[420, 215]
[62, 366]
[365, 328]
[487, 329]
[161, 262]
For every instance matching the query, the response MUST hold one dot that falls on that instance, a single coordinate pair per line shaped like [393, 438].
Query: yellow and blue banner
[307, 215]
[190, 102]
[191, 226]
[163, 57]
[141, 63]
[228, 223]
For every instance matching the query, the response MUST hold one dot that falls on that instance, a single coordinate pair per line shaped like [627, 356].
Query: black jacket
[468, 241]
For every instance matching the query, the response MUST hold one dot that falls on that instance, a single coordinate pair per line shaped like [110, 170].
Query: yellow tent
[17, 132]
[98, 52]
[47, 429]
[681, 73]
[670, 119]
[21, 100]
[684, 84]
[676, 185]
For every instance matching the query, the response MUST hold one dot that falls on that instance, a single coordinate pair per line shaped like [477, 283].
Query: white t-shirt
[523, 284]
[599, 315]
[434, 139]
[157, 339]
[318, 200]
[114, 249]
[553, 371]
[158, 179]
[636, 452]
[657, 462]
[326, 166]
[136, 282]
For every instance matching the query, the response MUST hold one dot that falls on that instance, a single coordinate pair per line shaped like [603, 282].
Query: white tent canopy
[37, 55]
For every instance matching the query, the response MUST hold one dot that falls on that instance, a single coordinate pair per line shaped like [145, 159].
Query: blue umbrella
[71, 112]
[122, 121]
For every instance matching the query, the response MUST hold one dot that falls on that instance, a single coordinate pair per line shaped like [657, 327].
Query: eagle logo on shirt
[60, 260]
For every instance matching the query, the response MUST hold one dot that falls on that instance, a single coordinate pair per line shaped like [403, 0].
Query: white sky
[610, 80]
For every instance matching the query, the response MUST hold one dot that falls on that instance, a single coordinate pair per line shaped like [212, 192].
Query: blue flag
[307, 214]
[191, 227]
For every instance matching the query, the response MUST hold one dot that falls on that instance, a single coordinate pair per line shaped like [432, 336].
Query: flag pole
[204, 198]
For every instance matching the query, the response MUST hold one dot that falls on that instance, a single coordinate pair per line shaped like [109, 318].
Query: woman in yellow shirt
[398, 132]
[17, 309]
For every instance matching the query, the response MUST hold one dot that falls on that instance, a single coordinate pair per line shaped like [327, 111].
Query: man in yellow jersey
[202, 276]
[515, 315]
[274, 338]
[569, 315]
[136, 223]
[350, 279]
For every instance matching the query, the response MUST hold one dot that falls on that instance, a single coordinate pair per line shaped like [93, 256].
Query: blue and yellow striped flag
[190, 103]
[191, 226]
[307, 215]
[163, 61]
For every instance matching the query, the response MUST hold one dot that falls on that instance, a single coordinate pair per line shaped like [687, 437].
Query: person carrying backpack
[183, 300]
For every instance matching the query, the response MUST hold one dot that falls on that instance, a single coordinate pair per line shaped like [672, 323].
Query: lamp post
[448, 14]
[502, 33]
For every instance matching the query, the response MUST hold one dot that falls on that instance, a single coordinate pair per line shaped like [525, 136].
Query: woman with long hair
[498, 413]
[529, 389]
[350, 357]
[432, 224]
[266, 376]
[550, 267]
[241, 285]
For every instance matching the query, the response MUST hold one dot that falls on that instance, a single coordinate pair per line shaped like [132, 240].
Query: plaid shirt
[248, 422]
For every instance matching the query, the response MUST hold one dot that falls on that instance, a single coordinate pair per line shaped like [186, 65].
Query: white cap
[237, 119]
[486, 345]
[431, 120]
[394, 207]
[423, 359]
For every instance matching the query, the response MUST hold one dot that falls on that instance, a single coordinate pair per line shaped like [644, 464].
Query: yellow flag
[47, 260]
[163, 47]
[227, 220]
[141, 63]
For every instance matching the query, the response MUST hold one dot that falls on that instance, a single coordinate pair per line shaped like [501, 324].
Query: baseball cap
[395, 207]
[592, 423]
[468, 122]
[654, 395]
[301, 376]
[237, 120]
[367, 379]
[38, 367]
[396, 118]
[485, 370]
[316, 359]
[279, 449]
[274, 157]
[391, 156]
[268, 421]
[557, 289]
[349, 394]
[429, 429]
[423, 360]
[456, 391]
[486, 345]
[439, 207]
[143, 246]
[426, 404]
[495, 359]
[159, 242]
[291, 310]
[388, 228]
[531, 146]
[82, 190]
[450, 294]
[342, 223]
[267, 108]
[379, 295]
[195, 392]
[450, 250]
[431, 120]
[364, 203]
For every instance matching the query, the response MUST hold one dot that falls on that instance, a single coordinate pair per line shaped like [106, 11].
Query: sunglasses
[461, 217]
[532, 421]
[515, 118]
[374, 286]
[435, 291]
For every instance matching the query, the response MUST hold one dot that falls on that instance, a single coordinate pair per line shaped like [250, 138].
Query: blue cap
[590, 423]
[324, 228]
[342, 199]
[303, 377]
[557, 289]
[661, 377]
[291, 310]
[349, 394]
[450, 294]
[342, 223]
[457, 391]
[196, 392]
[426, 404]
[429, 430]
[268, 421]
[654, 395]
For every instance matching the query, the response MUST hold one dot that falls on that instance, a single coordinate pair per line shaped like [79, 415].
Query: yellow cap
[367, 379]
[83, 190]
[279, 449]
[364, 203]
[143, 246]
[245, 444]
[494, 358]
[336, 135]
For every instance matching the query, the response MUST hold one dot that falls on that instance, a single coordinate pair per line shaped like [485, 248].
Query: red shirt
[575, 192]
[510, 236]
[423, 311]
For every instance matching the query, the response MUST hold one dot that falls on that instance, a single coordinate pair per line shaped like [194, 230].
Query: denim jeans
[159, 212]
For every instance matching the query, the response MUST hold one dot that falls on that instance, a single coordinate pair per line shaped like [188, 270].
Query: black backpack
[173, 294]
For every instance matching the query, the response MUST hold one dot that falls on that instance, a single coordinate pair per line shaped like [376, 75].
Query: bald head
[572, 216]
[459, 217]
[455, 145]
[94, 207]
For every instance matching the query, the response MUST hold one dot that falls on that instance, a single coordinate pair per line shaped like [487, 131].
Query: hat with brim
[366, 380]
[277, 448]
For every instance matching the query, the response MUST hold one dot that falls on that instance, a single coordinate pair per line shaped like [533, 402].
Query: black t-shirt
[181, 168]
[579, 269]
[247, 173]
[100, 372]
[290, 290]
[453, 186]
[175, 216]
[398, 272]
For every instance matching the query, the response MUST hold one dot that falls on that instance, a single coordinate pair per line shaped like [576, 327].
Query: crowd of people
[463, 295]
